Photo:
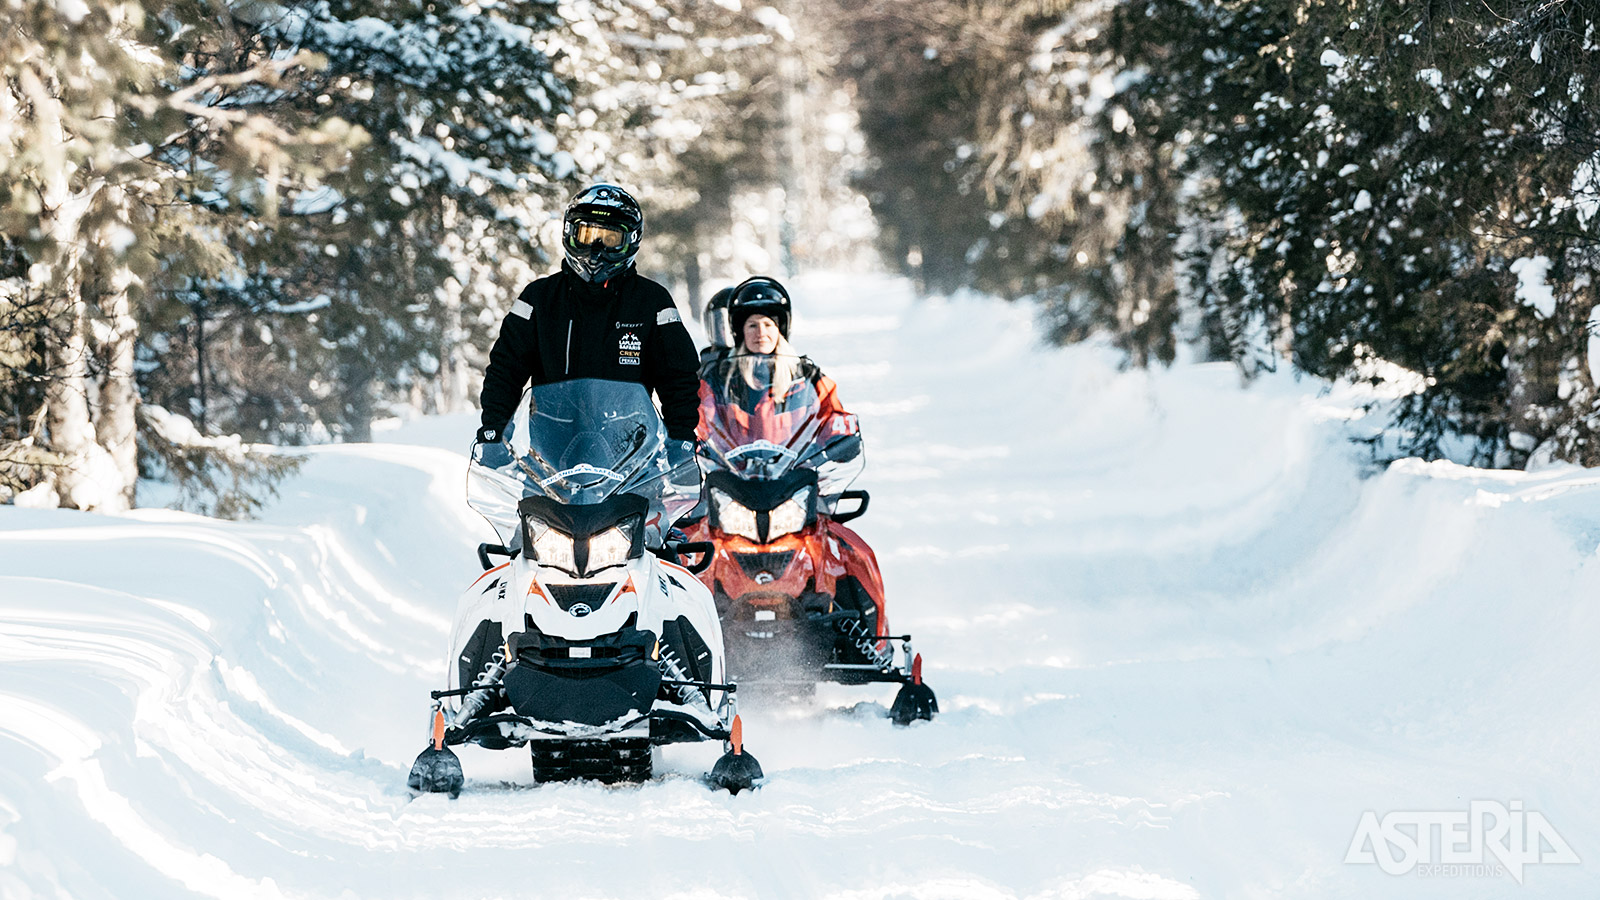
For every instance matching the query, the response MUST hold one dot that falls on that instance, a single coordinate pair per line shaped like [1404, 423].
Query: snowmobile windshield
[579, 443]
[765, 418]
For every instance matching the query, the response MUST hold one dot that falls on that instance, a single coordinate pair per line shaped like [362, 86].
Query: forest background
[229, 223]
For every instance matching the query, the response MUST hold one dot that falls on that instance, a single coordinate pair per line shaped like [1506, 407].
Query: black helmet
[715, 319]
[759, 295]
[601, 232]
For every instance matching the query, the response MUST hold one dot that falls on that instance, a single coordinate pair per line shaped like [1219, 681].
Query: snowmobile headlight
[734, 517]
[613, 546]
[790, 516]
[553, 548]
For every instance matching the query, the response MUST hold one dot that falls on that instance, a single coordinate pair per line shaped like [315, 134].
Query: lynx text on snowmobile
[800, 595]
[588, 645]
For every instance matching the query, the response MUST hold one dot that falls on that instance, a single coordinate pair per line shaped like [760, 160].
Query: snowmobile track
[609, 762]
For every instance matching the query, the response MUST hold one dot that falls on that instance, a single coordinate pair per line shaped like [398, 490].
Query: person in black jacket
[595, 318]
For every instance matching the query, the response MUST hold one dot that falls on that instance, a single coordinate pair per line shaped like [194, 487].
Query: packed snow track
[1184, 637]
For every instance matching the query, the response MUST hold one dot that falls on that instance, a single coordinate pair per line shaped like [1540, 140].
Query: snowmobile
[800, 595]
[591, 644]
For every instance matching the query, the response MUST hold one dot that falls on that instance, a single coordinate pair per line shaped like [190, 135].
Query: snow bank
[1182, 642]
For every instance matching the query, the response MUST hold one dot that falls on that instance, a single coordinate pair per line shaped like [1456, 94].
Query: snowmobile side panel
[477, 650]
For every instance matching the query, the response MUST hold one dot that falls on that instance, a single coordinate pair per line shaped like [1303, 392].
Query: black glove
[490, 450]
[843, 449]
[682, 466]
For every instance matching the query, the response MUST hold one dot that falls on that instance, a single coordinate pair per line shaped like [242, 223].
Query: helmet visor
[585, 234]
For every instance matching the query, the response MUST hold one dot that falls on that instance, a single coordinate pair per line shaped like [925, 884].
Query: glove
[843, 449]
[681, 453]
[489, 450]
[682, 466]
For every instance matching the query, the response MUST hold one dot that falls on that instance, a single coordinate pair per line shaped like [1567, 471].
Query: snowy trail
[1180, 642]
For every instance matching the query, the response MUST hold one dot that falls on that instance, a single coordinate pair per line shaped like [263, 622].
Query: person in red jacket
[759, 316]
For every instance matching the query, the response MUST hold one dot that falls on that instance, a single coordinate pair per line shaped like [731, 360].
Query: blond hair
[784, 361]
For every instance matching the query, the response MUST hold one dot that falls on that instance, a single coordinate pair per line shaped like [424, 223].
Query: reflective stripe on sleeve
[521, 308]
[668, 315]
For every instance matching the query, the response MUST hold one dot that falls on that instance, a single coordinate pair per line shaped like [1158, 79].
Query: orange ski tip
[916, 669]
[438, 729]
[736, 735]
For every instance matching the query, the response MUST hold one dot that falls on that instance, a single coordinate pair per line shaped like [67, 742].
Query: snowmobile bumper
[601, 689]
[805, 650]
[598, 684]
[780, 650]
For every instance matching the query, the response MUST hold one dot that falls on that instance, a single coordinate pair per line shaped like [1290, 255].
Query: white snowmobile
[591, 645]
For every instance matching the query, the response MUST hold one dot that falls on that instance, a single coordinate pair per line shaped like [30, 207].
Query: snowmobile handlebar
[486, 550]
[675, 550]
[851, 515]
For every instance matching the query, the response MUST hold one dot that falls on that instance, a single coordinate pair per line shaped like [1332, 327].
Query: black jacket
[562, 327]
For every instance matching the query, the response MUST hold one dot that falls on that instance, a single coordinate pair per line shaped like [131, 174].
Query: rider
[719, 333]
[759, 314]
[595, 318]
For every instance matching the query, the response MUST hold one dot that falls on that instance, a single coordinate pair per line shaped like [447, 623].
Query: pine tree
[683, 102]
[348, 289]
[1338, 186]
[1372, 176]
[86, 109]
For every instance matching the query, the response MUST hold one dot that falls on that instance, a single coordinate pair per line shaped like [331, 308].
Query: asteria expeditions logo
[1487, 839]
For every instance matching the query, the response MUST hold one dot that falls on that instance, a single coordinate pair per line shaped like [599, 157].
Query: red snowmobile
[800, 595]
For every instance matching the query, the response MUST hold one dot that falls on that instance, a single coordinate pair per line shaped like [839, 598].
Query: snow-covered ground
[1183, 637]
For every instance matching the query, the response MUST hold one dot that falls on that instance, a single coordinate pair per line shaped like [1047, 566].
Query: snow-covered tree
[1406, 183]
[349, 281]
[1334, 185]
[89, 199]
[683, 101]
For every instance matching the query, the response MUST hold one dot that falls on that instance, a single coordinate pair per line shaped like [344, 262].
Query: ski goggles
[585, 234]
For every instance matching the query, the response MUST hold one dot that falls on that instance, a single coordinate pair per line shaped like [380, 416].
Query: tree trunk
[358, 407]
[693, 282]
[59, 276]
[67, 409]
[117, 427]
[200, 363]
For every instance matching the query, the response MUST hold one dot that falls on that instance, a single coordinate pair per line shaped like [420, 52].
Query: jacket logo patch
[628, 349]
